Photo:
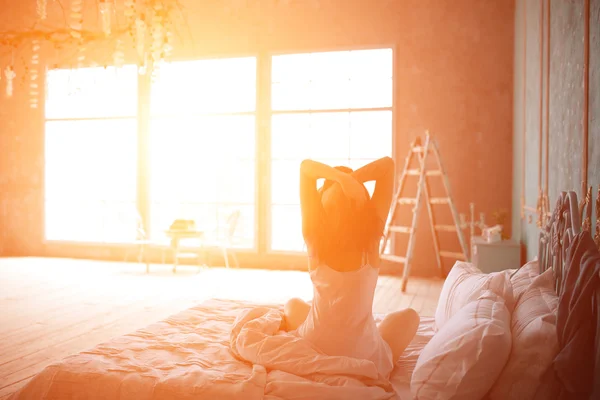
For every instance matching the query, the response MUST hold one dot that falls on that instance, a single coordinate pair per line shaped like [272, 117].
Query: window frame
[199, 114]
[263, 158]
[44, 119]
[145, 133]
[268, 196]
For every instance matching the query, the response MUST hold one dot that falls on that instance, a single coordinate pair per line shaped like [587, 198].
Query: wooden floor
[50, 308]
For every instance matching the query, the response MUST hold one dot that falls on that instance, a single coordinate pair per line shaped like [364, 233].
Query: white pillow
[465, 283]
[535, 341]
[523, 278]
[464, 359]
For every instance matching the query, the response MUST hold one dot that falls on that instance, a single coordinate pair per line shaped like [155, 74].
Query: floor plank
[51, 308]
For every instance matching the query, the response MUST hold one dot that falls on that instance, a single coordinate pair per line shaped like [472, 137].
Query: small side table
[497, 256]
[176, 236]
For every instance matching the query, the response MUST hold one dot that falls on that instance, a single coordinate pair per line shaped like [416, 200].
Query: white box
[497, 256]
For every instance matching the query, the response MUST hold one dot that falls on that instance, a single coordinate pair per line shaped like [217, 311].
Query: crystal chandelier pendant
[42, 6]
[10, 75]
[105, 14]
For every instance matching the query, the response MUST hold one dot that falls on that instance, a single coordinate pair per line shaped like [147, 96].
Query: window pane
[370, 135]
[289, 136]
[285, 178]
[371, 94]
[91, 92]
[198, 165]
[332, 80]
[205, 86]
[90, 221]
[291, 68]
[235, 183]
[333, 136]
[330, 95]
[330, 66]
[328, 135]
[90, 180]
[191, 158]
[320, 135]
[365, 65]
[291, 96]
[286, 228]
[91, 159]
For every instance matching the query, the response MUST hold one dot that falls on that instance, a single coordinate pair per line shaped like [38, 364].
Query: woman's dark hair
[344, 226]
[328, 182]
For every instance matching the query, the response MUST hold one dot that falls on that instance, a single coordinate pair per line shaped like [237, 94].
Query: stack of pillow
[495, 336]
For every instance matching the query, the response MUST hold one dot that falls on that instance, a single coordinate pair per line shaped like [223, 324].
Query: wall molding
[586, 93]
[542, 211]
[542, 207]
[524, 128]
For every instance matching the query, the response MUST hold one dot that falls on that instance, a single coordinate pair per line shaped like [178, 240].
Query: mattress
[186, 356]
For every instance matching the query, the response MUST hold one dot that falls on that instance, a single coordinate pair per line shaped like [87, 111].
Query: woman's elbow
[389, 164]
[305, 165]
[388, 160]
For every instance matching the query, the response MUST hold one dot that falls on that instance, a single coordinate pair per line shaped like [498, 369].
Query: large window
[202, 146]
[334, 107]
[199, 142]
[90, 155]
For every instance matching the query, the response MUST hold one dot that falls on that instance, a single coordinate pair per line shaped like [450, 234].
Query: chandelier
[145, 25]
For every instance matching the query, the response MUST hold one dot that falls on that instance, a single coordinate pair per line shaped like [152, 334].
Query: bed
[186, 356]
[493, 336]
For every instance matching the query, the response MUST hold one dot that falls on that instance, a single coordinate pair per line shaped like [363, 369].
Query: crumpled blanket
[297, 370]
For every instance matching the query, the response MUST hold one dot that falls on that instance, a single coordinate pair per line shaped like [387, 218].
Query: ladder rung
[439, 200]
[188, 255]
[418, 149]
[401, 229]
[407, 200]
[417, 172]
[445, 228]
[451, 254]
[393, 258]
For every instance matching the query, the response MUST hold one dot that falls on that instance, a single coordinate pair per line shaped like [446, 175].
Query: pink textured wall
[454, 68]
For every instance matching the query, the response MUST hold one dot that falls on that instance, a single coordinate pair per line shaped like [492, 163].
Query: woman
[342, 228]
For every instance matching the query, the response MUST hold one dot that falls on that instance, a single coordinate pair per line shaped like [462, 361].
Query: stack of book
[183, 225]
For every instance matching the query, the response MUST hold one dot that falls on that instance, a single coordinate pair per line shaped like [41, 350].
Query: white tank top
[340, 321]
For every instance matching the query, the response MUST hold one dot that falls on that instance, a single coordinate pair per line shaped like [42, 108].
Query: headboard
[567, 220]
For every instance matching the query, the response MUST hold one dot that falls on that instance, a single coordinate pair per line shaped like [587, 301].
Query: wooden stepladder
[423, 151]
